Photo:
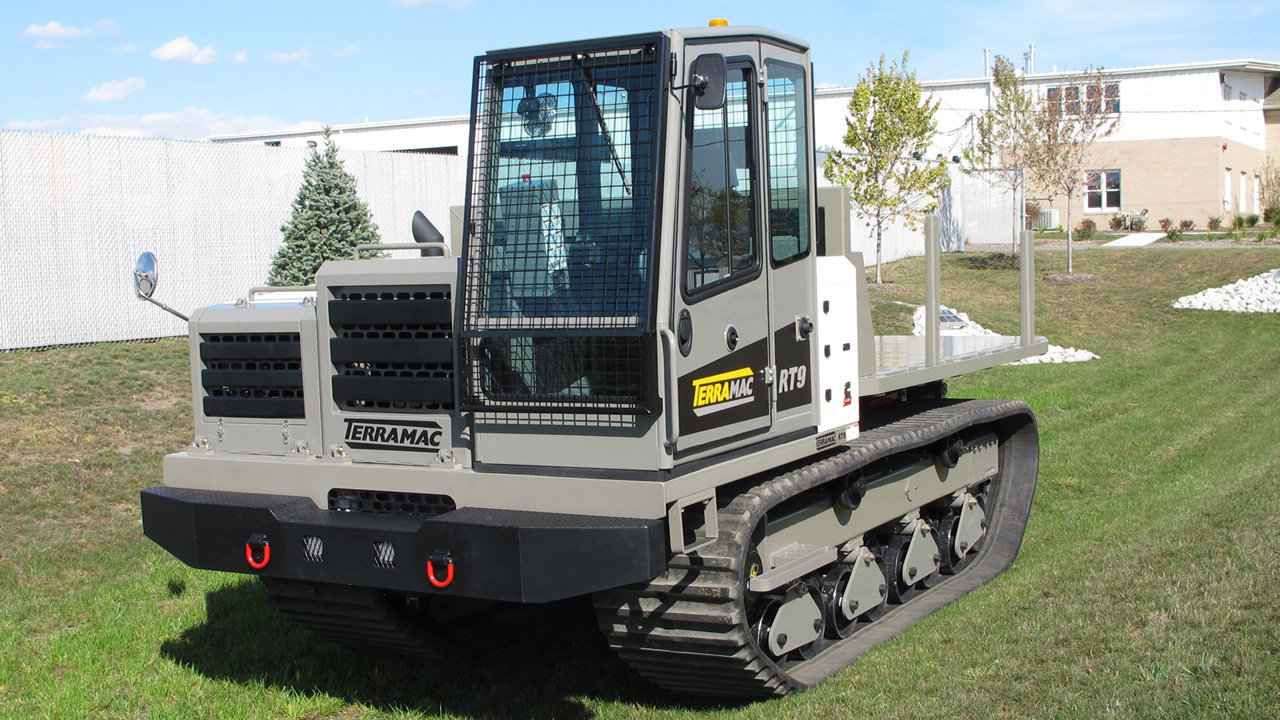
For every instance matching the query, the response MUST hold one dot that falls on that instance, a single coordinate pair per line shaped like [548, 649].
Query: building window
[1102, 190]
[1071, 99]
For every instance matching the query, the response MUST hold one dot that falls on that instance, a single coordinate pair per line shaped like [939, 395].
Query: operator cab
[638, 254]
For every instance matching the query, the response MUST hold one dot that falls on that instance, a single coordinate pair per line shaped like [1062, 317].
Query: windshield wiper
[604, 129]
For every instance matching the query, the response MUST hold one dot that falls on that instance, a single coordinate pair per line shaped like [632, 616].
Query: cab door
[721, 312]
[788, 241]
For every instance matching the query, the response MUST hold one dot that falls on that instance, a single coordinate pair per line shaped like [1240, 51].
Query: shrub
[1251, 219]
[1032, 211]
[1215, 222]
[1086, 229]
[1168, 228]
[1237, 222]
[1272, 214]
[1117, 222]
[1185, 225]
[1138, 223]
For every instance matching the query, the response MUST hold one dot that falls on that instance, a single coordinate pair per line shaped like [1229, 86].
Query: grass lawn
[1148, 585]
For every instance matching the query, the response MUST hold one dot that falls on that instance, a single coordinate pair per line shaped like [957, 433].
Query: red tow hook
[257, 545]
[440, 556]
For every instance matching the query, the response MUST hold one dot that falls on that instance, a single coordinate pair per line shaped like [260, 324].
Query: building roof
[351, 128]
[1238, 65]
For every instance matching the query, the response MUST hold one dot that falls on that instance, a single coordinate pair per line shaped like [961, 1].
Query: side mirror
[145, 275]
[708, 81]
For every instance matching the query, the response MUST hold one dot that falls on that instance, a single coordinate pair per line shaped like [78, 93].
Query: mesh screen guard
[558, 264]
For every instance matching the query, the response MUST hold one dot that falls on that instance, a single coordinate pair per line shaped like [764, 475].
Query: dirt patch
[886, 287]
[159, 402]
[1074, 279]
[990, 261]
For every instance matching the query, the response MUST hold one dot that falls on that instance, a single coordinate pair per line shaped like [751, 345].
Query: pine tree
[329, 220]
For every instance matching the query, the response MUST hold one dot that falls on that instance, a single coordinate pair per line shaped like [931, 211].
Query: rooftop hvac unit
[1049, 219]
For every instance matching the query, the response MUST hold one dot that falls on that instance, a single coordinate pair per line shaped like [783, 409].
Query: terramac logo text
[723, 391]
[422, 436]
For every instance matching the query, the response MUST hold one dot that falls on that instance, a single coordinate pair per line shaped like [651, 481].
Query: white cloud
[61, 123]
[106, 27]
[350, 51]
[301, 53]
[190, 123]
[181, 49]
[55, 29]
[240, 57]
[125, 49]
[115, 90]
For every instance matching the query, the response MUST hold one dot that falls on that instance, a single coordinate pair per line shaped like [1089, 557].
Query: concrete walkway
[1134, 240]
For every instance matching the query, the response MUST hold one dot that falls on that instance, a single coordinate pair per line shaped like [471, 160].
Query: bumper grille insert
[390, 503]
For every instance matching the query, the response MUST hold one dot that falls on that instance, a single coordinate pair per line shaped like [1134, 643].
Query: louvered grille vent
[392, 349]
[257, 375]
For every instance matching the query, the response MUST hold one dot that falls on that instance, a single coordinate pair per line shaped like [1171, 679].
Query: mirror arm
[164, 307]
[700, 82]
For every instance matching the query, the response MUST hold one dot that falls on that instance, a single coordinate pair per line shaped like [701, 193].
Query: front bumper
[496, 554]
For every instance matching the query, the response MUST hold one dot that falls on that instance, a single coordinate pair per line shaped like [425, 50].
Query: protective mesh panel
[558, 264]
[77, 210]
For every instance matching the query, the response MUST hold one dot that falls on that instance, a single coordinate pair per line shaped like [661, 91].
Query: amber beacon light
[718, 22]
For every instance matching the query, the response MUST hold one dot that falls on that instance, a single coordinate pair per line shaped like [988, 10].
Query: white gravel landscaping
[1055, 354]
[1260, 293]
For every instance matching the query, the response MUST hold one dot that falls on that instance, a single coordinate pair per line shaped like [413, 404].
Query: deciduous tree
[889, 128]
[1004, 137]
[1066, 126]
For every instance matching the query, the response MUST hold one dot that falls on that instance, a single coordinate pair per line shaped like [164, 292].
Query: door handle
[669, 350]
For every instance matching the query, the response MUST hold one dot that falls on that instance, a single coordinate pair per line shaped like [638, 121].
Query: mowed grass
[1148, 584]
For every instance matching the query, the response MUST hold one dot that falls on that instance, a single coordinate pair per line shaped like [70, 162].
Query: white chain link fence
[77, 210]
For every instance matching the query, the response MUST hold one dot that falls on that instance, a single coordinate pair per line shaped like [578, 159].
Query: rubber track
[686, 630]
[351, 616]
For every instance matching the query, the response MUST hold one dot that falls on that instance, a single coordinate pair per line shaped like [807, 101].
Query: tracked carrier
[644, 372]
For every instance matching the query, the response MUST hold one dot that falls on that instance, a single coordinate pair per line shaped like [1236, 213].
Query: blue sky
[189, 70]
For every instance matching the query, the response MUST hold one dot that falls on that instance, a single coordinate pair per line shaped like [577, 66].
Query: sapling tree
[329, 220]
[1066, 125]
[1004, 137]
[889, 128]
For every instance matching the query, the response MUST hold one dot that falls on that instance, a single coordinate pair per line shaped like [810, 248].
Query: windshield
[562, 203]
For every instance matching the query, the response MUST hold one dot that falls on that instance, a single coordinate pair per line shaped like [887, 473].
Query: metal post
[932, 289]
[1027, 264]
